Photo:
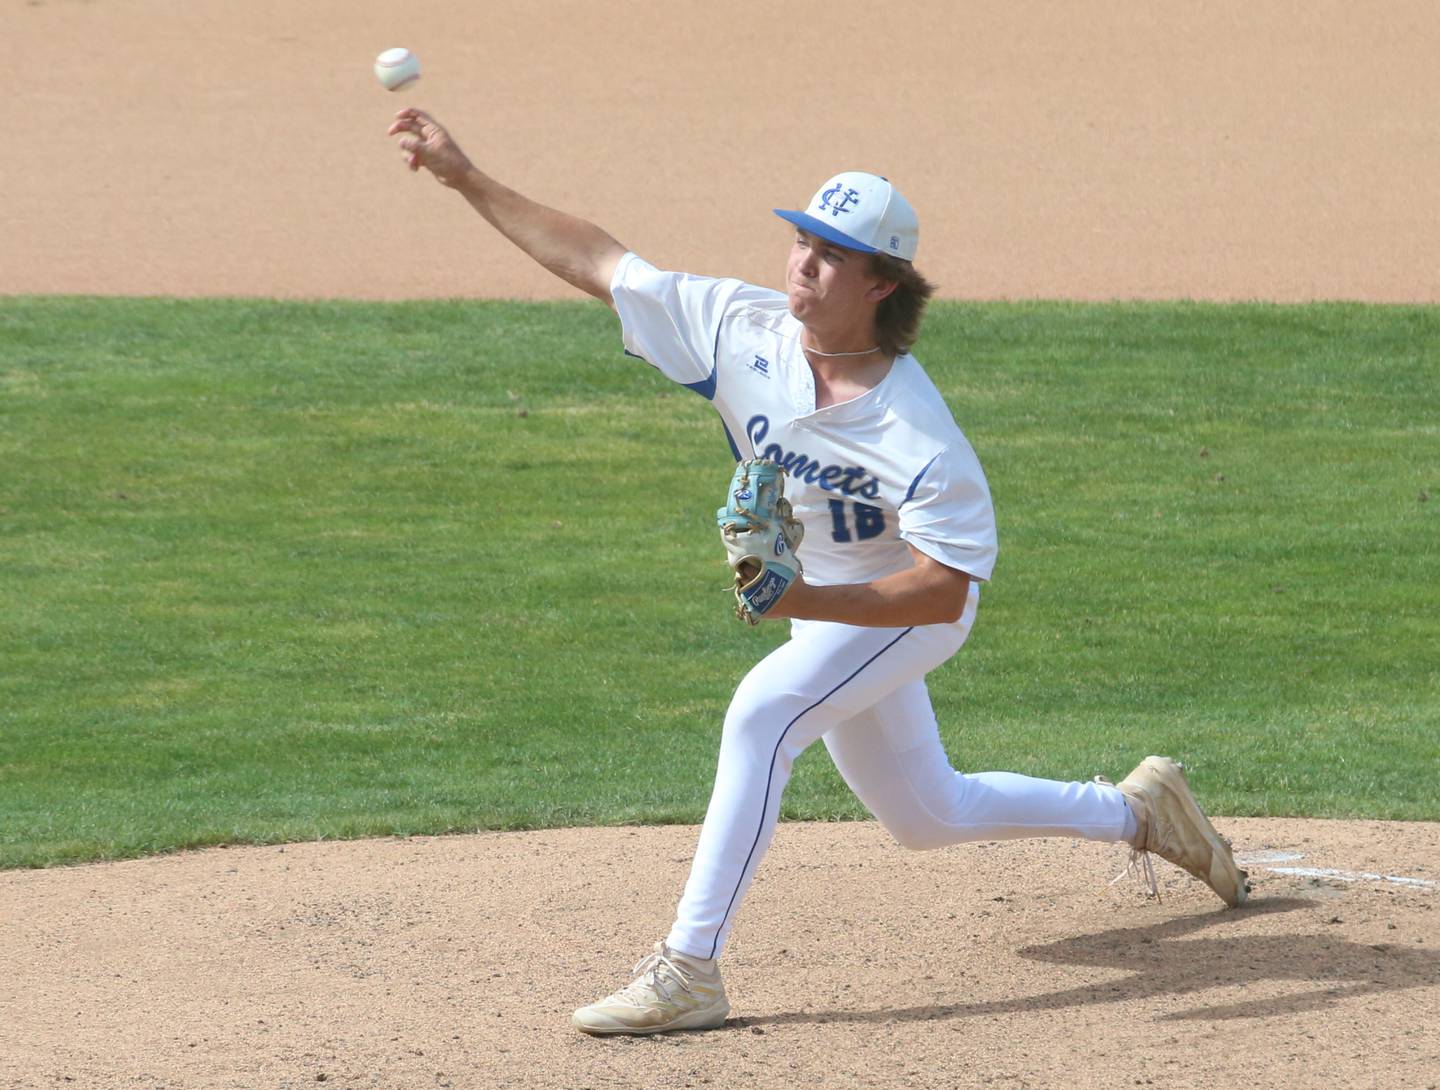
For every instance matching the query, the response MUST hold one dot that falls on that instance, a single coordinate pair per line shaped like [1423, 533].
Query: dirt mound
[455, 962]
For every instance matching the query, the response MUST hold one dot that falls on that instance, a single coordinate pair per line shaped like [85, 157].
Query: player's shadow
[1160, 966]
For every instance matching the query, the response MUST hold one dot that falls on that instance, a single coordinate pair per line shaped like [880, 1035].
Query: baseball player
[898, 536]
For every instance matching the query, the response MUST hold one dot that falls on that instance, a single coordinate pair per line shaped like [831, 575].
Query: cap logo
[836, 199]
[894, 242]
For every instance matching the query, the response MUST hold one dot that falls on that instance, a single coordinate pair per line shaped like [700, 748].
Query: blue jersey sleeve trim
[705, 387]
[731, 440]
[916, 482]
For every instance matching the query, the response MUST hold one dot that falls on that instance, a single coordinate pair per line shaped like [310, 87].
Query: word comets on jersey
[866, 476]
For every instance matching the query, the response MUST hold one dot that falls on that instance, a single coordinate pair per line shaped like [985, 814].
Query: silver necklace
[837, 355]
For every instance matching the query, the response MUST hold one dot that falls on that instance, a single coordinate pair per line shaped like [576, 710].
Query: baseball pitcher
[858, 512]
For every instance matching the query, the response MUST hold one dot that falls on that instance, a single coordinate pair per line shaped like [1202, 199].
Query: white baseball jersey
[865, 476]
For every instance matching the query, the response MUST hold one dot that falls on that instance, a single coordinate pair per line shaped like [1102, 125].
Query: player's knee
[758, 718]
[758, 699]
[754, 720]
[919, 836]
[914, 824]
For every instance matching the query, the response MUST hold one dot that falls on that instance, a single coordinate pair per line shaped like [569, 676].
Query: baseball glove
[760, 537]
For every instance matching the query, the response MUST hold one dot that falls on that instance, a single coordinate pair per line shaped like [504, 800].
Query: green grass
[283, 571]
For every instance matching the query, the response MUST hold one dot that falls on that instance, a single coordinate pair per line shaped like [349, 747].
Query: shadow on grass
[1162, 966]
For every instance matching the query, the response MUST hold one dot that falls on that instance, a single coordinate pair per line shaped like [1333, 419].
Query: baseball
[397, 68]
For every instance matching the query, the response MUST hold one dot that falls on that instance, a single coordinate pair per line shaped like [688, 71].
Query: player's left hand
[760, 536]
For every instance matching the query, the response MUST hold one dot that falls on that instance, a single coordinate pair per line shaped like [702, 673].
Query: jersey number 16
[869, 522]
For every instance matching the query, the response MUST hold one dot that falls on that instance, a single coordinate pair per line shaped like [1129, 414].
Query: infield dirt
[1222, 151]
[1216, 150]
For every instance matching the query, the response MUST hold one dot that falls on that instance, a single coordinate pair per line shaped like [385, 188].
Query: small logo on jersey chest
[761, 366]
[837, 199]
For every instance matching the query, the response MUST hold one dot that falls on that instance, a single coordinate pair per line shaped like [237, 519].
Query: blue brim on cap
[824, 230]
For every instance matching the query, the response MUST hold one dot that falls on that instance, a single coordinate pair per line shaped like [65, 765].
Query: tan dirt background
[1225, 150]
[1283, 151]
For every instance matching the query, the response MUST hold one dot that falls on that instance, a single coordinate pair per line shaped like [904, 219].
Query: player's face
[828, 284]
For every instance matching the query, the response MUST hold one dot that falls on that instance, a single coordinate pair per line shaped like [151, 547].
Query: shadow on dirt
[1162, 966]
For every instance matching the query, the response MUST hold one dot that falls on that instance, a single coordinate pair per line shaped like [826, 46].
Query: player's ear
[882, 282]
[881, 290]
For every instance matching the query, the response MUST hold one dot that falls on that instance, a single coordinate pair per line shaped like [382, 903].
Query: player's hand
[794, 603]
[425, 143]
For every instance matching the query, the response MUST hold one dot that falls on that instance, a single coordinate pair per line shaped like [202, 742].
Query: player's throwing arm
[574, 249]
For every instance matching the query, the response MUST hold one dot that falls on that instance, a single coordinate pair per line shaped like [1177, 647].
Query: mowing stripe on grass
[285, 570]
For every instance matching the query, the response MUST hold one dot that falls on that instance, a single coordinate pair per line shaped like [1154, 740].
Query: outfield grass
[283, 571]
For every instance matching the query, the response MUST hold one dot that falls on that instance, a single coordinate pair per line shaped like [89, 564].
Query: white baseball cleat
[669, 992]
[1174, 828]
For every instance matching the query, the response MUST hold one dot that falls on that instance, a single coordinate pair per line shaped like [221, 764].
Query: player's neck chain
[838, 355]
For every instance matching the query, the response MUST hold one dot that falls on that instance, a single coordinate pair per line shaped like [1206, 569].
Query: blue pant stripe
[770, 779]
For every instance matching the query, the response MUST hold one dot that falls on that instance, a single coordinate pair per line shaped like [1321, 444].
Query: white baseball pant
[863, 691]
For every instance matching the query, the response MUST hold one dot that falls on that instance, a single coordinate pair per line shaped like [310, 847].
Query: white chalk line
[1352, 876]
[1263, 859]
[1246, 859]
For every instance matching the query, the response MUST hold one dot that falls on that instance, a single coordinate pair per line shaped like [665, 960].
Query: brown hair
[897, 319]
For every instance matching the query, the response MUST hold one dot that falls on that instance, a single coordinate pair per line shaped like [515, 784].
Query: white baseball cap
[862, 212]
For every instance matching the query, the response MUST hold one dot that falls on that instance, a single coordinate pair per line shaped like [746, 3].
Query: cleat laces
[655, 974]
[1139, 867]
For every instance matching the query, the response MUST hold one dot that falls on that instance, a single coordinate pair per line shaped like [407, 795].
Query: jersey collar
[802, 391]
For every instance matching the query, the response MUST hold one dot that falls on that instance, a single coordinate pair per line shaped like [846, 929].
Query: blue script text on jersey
[851, 480]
